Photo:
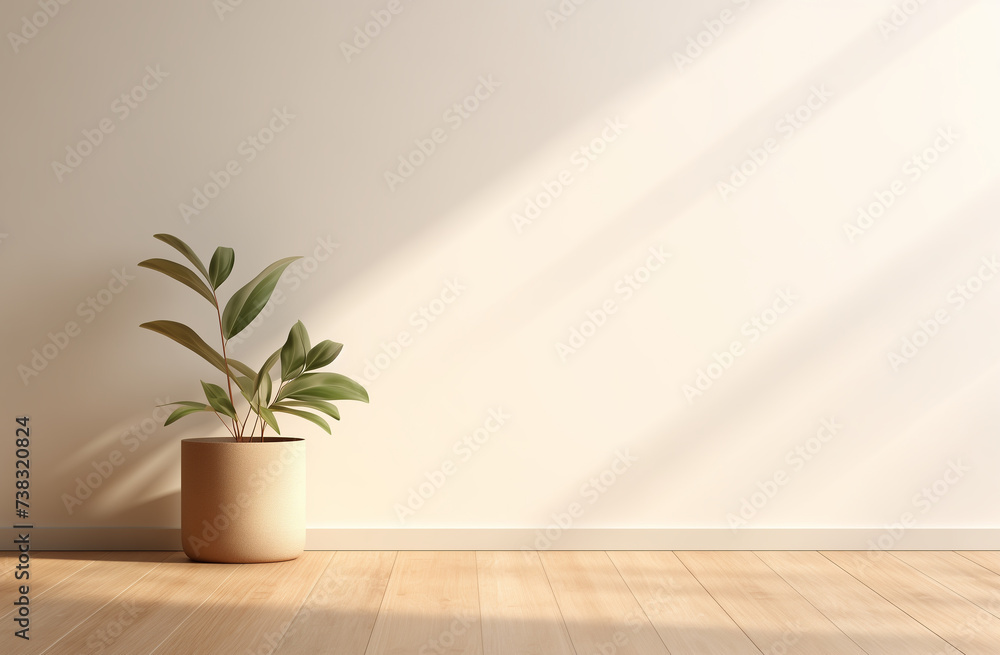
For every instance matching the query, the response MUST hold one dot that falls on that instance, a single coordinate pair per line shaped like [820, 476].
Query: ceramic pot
[243, 502]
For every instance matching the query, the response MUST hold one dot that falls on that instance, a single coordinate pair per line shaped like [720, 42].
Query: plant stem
[243, 427]
[224, 424]
[253, 428]
[263, 423]
[237, 432]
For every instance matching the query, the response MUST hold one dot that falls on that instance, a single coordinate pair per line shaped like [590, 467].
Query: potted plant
[243, 496]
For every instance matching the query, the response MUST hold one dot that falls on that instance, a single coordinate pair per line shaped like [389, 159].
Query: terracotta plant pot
[243, 502]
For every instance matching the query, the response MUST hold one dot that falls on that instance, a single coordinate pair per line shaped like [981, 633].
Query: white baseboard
[85, 538]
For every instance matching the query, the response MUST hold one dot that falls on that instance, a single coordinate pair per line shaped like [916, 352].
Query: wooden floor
[512, 603]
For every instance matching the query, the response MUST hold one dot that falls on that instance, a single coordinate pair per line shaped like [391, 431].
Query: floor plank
[967, 579]
[601, 614]
[774, 615]
[47, 570]
[250, 610]
[144, 615]
[342, 607]
[954, 619]
[86, 591]
[431, 606]
[515, 603]
[875, 624]
[520, 614]
[684, 614]
[986, 558]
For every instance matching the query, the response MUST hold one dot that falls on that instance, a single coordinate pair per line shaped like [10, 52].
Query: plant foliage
[300, 390]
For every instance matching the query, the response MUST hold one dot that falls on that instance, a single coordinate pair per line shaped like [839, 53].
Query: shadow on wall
[136, 487]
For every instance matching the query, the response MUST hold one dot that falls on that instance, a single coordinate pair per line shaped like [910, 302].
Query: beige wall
[603, 341]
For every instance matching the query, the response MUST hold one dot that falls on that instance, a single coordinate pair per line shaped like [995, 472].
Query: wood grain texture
[684, 614]
[46, 571]
[986, 558]
[875, 624]
[772, 613]
[519, 612]
[601, 614]
[514, 603]
[339, 614]
[81, 594]
[961, 623]
[250, 610]
[431, 606]
[967, 579]
[7, 562]
[145, 614]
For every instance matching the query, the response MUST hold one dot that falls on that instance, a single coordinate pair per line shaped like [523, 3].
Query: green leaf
[188, 338]
[218, 399]
[242, 368]
[248, 302]
[319, 405]
[182, 274]
[188, 407]
[184, 249]
[256, 396]
[306, 415]
[263, 392]
[323, 386]
[293, 353]
[322, 354]
[265, 372]
[221, 266]
[245, 385]
[269, 418]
